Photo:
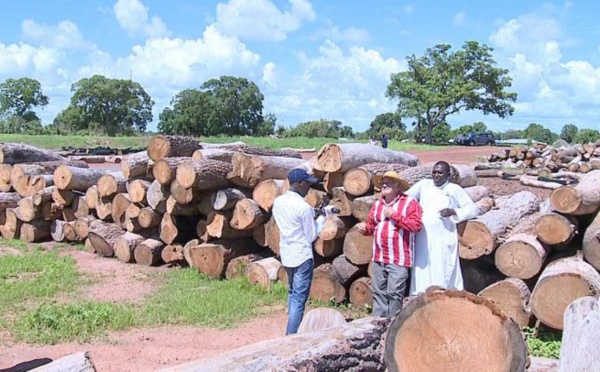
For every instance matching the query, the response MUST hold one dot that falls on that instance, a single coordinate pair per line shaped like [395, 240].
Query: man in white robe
[444, 205]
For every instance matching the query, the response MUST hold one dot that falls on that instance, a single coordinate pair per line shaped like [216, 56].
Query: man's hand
[447, 212]
[388, 212]
[362, 228]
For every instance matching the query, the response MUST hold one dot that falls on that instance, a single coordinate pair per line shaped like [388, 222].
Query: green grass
[543, 343]
[56, 142]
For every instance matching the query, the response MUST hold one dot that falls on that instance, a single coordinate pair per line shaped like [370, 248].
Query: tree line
[435, 86]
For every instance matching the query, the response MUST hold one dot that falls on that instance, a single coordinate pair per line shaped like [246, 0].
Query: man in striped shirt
[393, 221]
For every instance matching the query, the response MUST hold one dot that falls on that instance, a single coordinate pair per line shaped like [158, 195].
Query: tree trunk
[137, 190]
[70, 234]
[205, 206]
[356, 346]
[174, 208]
[343, 157]
[202, 232]
[5, 184]
[57, 230]
[479, 237]
[224, 200]
[237, 266]
[591, 243]
[64, 198]
[35, 231]
[26, 211]
[184, 195]
[11, 228]
[465, 176]
[82, 226]
[214, 154]
[104, 208]
[157, 195]
[521, 256]
[131, 222]
[555, 229]
[263, 272]
[165, 170]
[260, 236]
[212, 258]
[346, 271]
[336, 227]
[43, 196]
[361, 293]
[218, 226]
[578, 200]
[148, 252]
[9, 200]
[77, 179]
[273, 238]
[78, 208]
[533, 181]
[91, 196]
[27, 179]
[149, 218]
[14, 153]
[247, 215]
[51, 211]
[333, 180]
[203, 174]
[358, 248]
[512, 297]
[359, 181]
[168, 229]
[252, 169]
[161, 147]
[315, 198]
[562, 282]
[342, 201]
[103, 237]
[435, 332]
[328, 248]
[110, 185]
[476, 193]
[136, 165]
[326, 285]
[173, 254]
[579, 350]
[361, 207]
[119, 206]
[265, 192]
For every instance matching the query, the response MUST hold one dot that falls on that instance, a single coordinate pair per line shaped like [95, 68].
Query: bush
[587, 135]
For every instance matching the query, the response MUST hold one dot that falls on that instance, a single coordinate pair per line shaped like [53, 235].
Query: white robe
[436, 247]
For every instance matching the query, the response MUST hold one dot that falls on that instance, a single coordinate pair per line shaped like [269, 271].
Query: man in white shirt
[298, 229]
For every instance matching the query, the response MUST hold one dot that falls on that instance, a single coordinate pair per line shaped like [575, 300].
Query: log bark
[212, 258]
[273, 238]
[57, 230]
[165, 170]
[9, 200]
[5, 171]
[137, 190]
[579, 351]
[356, 346]
[362, 206]
[476, 193]
[435, 332]
[591, 243]
[173, 254]
[35, 231]
[512, 297]
[125, 246]
[80, 362]
[205, 206]
[148, 252]
[203, 174]
[465, 175]
[562, 282]
[578, 200]
[184, 195]
[149, 218]
[479, 237]
[346, 271]
[265, 192]
[360, 293]
[136, 165]
[218, 226]
[252, 169]
[343, 157]
[328, 248]
[157, 195]
[224, 200]
[161, 147]
[236, 268]
[259, 235]
[533, 181]
[342, 201]
[521, 256]
[316, 198]
[247, 215]
[82, 225]
[77, 179]
[26, 211]
[78, 208]
[333, 180]
[11, 229]
[263, 272]
[119, 206]
[359, 181]
[103, 237]
[64, 198]
[326, 286]
[14, 153]
[174, 208]
[91, 197]
[221, 154]
[336, 227]
[358, 247]
[556, 230]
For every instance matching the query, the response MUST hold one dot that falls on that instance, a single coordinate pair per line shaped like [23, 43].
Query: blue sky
[327, 59]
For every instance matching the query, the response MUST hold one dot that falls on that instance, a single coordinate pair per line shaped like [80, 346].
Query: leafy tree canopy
[389, 123]
[318, 128]
[18, 97]
[539, 133]
[587, 135]
[441, 133]
[569, 132]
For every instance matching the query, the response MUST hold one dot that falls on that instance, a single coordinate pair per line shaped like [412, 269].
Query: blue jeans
[299, 280]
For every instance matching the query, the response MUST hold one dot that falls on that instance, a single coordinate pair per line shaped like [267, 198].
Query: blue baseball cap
[299, 174]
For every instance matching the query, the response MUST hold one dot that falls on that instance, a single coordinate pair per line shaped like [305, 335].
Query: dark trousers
[389, 285]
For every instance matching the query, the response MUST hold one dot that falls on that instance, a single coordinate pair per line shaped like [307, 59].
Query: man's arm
[311, 227]
[415, 190]
[466, 209]
[413, 220]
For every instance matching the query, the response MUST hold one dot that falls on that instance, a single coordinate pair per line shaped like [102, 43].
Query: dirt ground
[154, 348]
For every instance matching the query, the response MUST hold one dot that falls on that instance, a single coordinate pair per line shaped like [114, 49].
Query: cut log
[361, 294]
[321, 318]
[316, 198]
[51, 211]
[247, 215]
[161, 147]
[217, 226]
[174, 208]
[14, 153]
[332, 180]
[131, 222]
[165, 170]
[9, 200]
[578, 200]
[27, 179]
[362, 206]
[137, 190]
[479, 274]
[222, 154]
[57, 230]
[91, 197]
[82, 226]
[476, 193]
[342, 201]
[591, 243]
[263, 272]
[201, 232]
[184, 195]
[359, 181]
[512, 297]
[157, 195]
[237, 266]
[104, 208]
[77, 179]
[5, 171]
[224, 200]
[555, 229]
[70, 234]
[103, 237]
[485, 205]
[343, 157]
[479, 237]
[265, 193]
[273, 238]
[282, 277]
[346, 271]
[80, 362]
[578, 351]
[356, 346]
[533, 181]
[358, 248]
[110, 185]
[436, 332]
[521, 256]
[35, 231]
[463, 175]
[78, 208]
[173, 254]
[26, 211]
[328, 248]
[148, 252]
[205, 206]
[149, 218]
[64, 198]
[212, 258]
[203, 174]
[12, 225]
[562, 282]
[336, 227]
[260, 236]
[168, 228]
[43, 196]
[252, 169]
[326, 286]
[119, 206]
[136, 165]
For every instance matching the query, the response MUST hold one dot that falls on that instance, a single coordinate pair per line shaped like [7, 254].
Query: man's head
[392, 185]
[440, 173]
[300, 181]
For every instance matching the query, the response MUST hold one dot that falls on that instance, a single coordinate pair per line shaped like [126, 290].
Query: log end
[257, 275]
[186, 174]
[360, 293]
[475, 240]
[208, 259]
[565, 199]
[554, 229]
[62, 177]
[518, 259]
[329, 158]
[159, 147]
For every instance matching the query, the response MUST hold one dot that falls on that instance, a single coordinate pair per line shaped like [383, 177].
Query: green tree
[116, 106]
[267, 127]
[441, 133]
[18, 98]
[587, 135]
[442, 83]
[463, 130]
[316, 128]
[539, 133]
[188, 115]
[479, 127]
[569, 132]
[346, 132]
[389, 123]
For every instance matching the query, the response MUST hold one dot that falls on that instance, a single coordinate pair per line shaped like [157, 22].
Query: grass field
[56, 142]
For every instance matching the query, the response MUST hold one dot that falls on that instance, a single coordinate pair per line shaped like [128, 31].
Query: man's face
[389, 187]
[303, 188]
[439, 174]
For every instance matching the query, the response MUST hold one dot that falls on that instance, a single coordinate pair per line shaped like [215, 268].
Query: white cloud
[269, 74]
[65, 35]
[261, 20]
[408, 9]
[132, 16]
[24, 59]
[350, 34]
[459, 18]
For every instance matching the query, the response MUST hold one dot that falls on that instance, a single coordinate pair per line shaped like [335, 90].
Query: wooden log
[57, 230]
[119, 206]
[358, 247]
[77, 179]
[236, 268]
[247, 215]
[205, 206]
[136, 165]
[173, 254]
[148, 252]
[35, 231]
[137, 191]
[165, 170]
[343, 157]
[161, 147]
[265, 192]
[362, 206]
[168, 228]
[321, 318]
[581, 327]
[360, 293]
[91, 197]
[51, 211]
[225, 199]
[479, 237]
[184, 195]
[80, 362]
[346, 271]
[512, 297]
[273, 238]
[326, 286]
[149, 218]
[174, 208]
[202, 232]
[479, 274]
[355, 346]
[584, 198]
[157, 195]
[9, 200]
[14, 153]
[70, 234]
[222, 154]
[533, 181]
[203, 174]
[27, 179]
[335, 227]
[104, 208]
[333, 180]
[218, 226]
[263, 272]
[64, 198]
[43, 196]
[342, 201]
[103, 237]
[82, 225]
[131, 222]
[252, 169]
[521, 256]
[110, 185]
[259, 235]
[212, 258]
[591, 243]
[359, 181]
[5, 171]
[26, 211]
[562, 282]
[11, 229]
[476, 193]
[328, 248]
[78, 208]
[316, 198]
[423, 328]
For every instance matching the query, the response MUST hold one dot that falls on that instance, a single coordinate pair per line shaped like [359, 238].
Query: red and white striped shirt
[394, 238]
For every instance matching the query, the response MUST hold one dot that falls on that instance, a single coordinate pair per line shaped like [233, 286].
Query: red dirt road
[454, 154]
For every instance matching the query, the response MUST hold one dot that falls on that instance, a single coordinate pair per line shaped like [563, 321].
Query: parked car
[477, 139]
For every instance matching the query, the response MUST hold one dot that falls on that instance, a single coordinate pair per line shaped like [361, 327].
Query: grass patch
[543, 343]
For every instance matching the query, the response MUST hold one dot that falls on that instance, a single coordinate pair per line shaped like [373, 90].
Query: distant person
[373, 141]
[384, 140]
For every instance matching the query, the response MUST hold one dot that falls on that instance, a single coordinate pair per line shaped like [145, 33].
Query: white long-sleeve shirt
[297, 226]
